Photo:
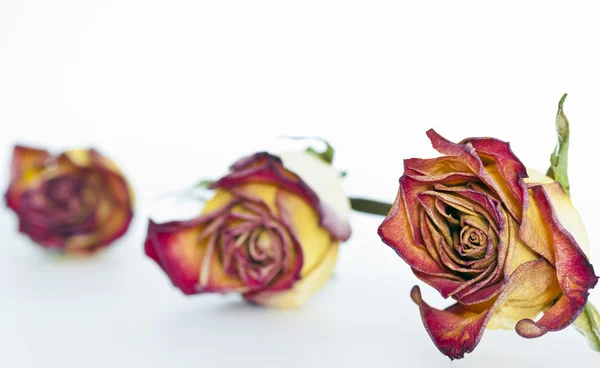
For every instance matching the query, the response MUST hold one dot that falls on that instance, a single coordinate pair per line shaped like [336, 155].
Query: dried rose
[271, 232]
[504, 241]
[75, 202]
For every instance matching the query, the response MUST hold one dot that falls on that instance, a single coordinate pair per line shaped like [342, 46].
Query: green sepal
[559, 160]
[588, 321]
[326, 155]
[204, 184]
[587, 324]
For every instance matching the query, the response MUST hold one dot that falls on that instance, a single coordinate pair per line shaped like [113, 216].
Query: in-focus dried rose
[75, 202]
[271, 232]
[502, 240]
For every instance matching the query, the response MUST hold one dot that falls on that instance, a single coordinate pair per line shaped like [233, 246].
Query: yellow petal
[536, 177]
[314, 240]
[520, 252]
[265, 192]
[27, 165]
[212, 276]
[535, 232]
[220, 199]
[568, 216]
[223, 197]
[80, 157]
[531, 296]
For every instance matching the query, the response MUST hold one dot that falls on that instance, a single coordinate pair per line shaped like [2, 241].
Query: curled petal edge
[458, 329]
[303, 289]
[474, 150]
[267, 168]
[574, 271]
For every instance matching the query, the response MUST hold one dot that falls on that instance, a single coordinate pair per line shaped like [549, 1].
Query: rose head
[75, 202]
[504, 242]
[270, 232]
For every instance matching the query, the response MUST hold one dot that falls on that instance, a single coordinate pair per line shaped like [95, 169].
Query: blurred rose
[76, 202]
[270, 232]
[503, 241]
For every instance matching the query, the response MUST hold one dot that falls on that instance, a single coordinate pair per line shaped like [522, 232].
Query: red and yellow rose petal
[575, 274]
[26, 165]
[303, 223]
[509, 192]
[173, 246]
[266, 168]
[501, 292]
[396, 231]
[112, 204]
[260, 194]
[458, 329]
[304, 288]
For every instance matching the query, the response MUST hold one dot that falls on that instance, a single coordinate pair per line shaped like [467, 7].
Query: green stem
[370, 206]
[587, 325]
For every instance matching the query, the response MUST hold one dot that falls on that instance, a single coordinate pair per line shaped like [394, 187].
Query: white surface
[176, 90]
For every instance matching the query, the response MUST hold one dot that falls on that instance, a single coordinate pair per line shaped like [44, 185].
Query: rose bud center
[64, 194]
[261, 247]
[62, 203]
[473, 242]
[259, 257]
[251, 244]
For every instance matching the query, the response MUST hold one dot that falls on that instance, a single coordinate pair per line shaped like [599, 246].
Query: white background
[176, 90]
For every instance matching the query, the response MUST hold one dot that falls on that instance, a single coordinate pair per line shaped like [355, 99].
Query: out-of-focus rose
[271, 232]
[75, 202]
[502, 240]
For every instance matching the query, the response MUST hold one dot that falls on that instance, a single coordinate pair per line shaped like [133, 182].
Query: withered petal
[510, 167]
[97, 215]
[174, 247]
[469, 154]
[435, 166]
[264, 167]
[414, 186]
[458, 329]
[574, 271]
[492, 208]
[395, 231]
[24, 160]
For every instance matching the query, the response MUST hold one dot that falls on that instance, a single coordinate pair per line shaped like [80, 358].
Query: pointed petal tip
[152, 225]
[415, 294]
[433, 135]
